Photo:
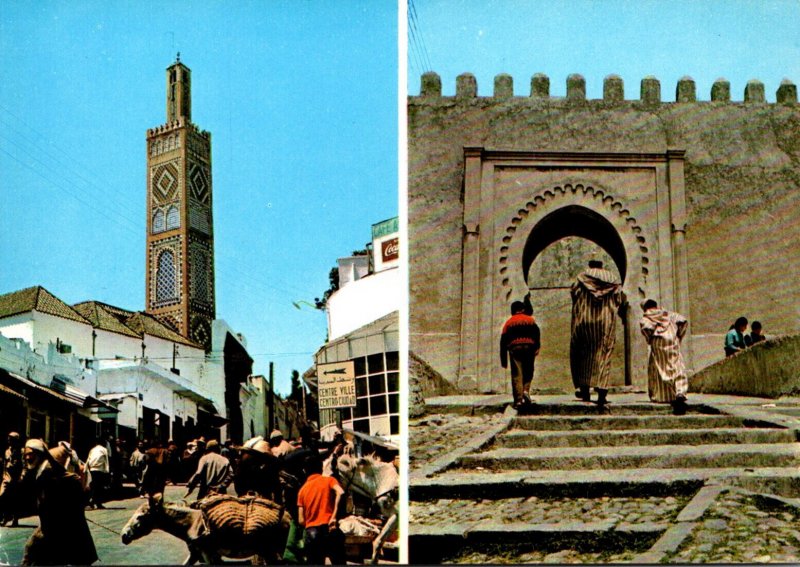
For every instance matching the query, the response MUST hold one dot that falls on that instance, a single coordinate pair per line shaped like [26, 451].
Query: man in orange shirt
[520, 341]
[317, 507]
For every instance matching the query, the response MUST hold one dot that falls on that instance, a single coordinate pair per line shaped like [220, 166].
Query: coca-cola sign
[390, 249]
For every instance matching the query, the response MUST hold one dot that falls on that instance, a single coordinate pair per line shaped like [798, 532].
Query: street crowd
[597, 301]
[59, 486]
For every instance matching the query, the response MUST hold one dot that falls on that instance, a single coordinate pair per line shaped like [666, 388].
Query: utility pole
[271, 398]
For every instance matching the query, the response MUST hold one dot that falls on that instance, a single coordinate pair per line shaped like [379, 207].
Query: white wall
[127, 377]
[362, 302]
[352, 269]
[40, 329]
[48, 328]
[252, 396]
[16, 356]
[18, 327]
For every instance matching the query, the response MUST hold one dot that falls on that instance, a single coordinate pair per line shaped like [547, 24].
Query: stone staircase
[563, 483]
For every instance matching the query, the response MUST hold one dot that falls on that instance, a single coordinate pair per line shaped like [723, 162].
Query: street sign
[336, 385]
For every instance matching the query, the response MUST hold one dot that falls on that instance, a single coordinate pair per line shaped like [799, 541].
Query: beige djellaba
[666, 373]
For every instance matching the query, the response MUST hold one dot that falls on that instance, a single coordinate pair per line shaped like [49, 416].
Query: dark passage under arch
[574, 220]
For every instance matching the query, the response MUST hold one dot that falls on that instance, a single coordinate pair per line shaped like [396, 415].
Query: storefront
[372, 352]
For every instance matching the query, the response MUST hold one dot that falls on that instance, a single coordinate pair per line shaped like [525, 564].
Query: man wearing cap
[278, 445]
[63, 536]
[257, 471]
[10, 487]
[214, 473]
[597, 299]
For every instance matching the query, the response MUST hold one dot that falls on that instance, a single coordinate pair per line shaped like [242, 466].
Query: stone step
[597, 482]
[643, 437]
[657, 456]
[622, 408]
[601, 422]
[435, 544]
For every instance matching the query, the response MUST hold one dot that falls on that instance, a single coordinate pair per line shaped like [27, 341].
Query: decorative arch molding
[632, 203]
[553, 199]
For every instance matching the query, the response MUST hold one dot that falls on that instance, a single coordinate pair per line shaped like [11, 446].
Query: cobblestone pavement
[733, 525]
[740, 527]
[158, 548]
[533, 510]
[508, 555]
[434, 435]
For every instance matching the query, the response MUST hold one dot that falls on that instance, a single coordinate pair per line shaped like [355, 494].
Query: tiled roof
[145, 323]
[138, 323]
[102, 316]
[99, 315]
[39, 299]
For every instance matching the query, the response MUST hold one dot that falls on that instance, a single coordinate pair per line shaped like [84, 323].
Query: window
[200, 275]
[377, 395]
[166, 288]
[173, 218]
[159, 223]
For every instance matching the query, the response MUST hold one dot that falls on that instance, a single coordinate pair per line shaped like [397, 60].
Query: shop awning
[33, 385]
[10, 392]
[79, 396]
[214, 419]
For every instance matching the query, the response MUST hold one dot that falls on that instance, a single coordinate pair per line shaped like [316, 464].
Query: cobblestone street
[567, 486]
[158, 548]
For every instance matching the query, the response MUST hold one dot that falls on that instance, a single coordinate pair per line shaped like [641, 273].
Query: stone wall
[770, 369]
[742, 193]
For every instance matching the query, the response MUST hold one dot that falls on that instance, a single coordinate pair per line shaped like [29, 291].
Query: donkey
[380, 483]
[216, 527]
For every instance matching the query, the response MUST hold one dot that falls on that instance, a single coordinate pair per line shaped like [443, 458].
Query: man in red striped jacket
[520, 341]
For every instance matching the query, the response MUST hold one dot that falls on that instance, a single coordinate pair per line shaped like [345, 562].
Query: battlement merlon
[613, 90]
[177, 125]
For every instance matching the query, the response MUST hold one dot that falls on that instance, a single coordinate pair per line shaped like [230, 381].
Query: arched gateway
[491, 215]
[519, 204]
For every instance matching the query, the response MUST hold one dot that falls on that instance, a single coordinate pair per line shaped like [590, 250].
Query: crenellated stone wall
[714, 187]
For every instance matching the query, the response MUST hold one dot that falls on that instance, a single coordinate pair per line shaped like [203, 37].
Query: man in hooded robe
[597, 299]
[63, 536]
[666, 374]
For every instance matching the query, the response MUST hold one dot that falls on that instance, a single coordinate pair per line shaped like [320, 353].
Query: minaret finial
[178, 57]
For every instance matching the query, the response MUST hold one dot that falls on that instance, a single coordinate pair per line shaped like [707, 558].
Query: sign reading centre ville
[336, 385]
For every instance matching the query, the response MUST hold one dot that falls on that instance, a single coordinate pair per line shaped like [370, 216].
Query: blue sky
[704, 39]
[301, 102]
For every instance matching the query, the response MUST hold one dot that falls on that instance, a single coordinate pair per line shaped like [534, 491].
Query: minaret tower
[180, 228]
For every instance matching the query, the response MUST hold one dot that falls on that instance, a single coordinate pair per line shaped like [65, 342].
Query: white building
[162, 384]
[363, 329]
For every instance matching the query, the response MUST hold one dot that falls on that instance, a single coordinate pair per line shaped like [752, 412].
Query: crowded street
[158, 548]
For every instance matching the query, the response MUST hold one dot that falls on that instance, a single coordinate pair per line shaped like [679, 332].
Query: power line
[204, 357]
[138, 229]
[414, 45]
[66, 166]
[417, 34]
[137, 226]
[58, 186]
